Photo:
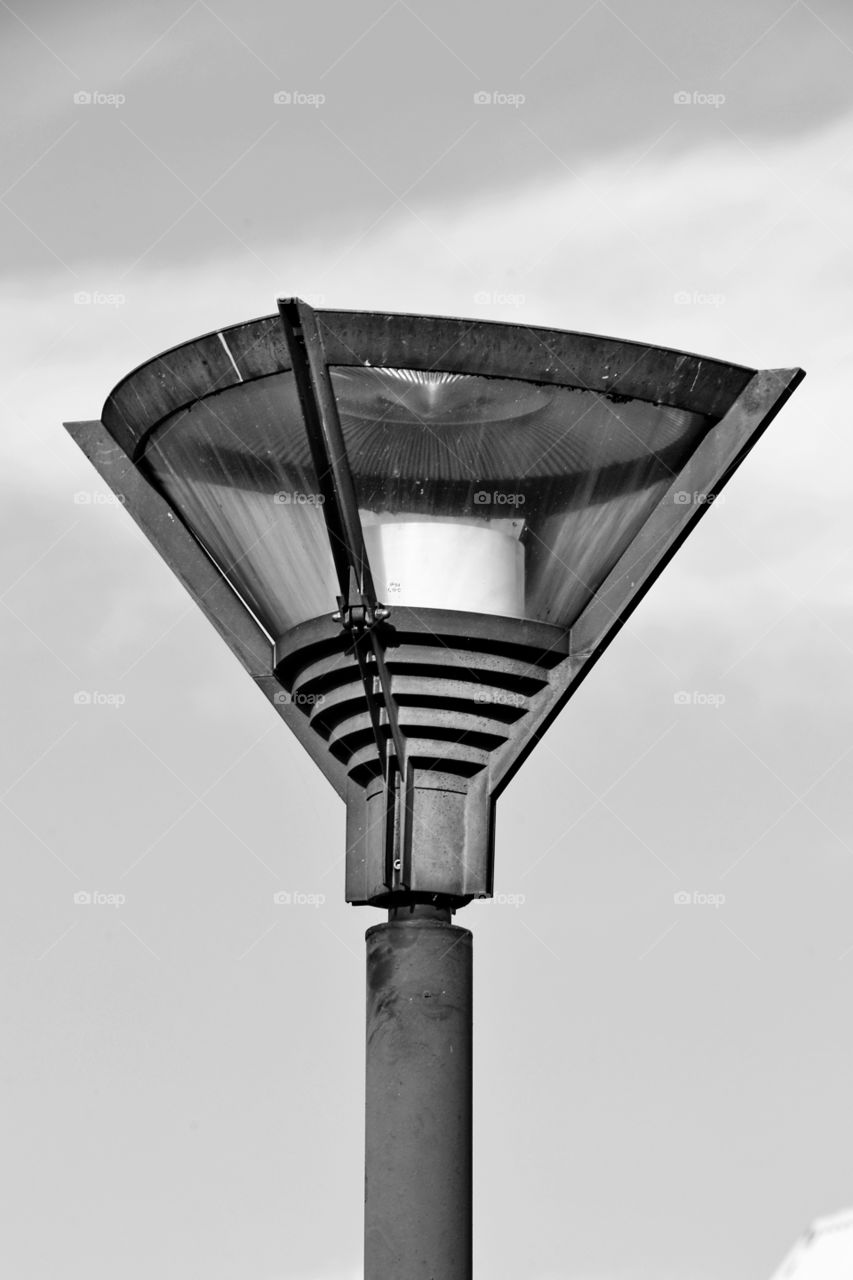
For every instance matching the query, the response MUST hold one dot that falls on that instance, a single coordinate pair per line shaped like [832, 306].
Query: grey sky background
[662, 1091]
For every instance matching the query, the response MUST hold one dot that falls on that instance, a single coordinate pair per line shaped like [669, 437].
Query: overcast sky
[662, 1091]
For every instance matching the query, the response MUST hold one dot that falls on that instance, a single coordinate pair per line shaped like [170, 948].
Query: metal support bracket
[359, 612]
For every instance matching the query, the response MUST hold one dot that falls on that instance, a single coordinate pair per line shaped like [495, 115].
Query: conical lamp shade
[515, 491]
[481, 494]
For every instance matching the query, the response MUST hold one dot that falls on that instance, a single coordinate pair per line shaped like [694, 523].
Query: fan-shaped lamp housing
[517, 491]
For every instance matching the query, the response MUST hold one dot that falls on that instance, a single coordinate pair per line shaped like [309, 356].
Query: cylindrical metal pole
[417, 1220]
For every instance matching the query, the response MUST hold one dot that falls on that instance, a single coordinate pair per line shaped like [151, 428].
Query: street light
[418, 534]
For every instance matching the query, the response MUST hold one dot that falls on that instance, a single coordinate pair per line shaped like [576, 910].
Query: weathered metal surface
[463, 686]
[418, 1130]
[512, 638]
[611, 366]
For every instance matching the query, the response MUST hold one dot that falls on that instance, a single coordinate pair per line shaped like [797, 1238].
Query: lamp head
[419, 534]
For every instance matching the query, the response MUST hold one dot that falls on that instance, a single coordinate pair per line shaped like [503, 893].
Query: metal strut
[359, 612]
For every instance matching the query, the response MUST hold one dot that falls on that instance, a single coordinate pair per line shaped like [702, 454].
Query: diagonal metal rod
[340, 510]
[326, 441]
[363, 651]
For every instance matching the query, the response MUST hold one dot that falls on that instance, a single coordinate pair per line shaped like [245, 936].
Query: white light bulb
[435, 562]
